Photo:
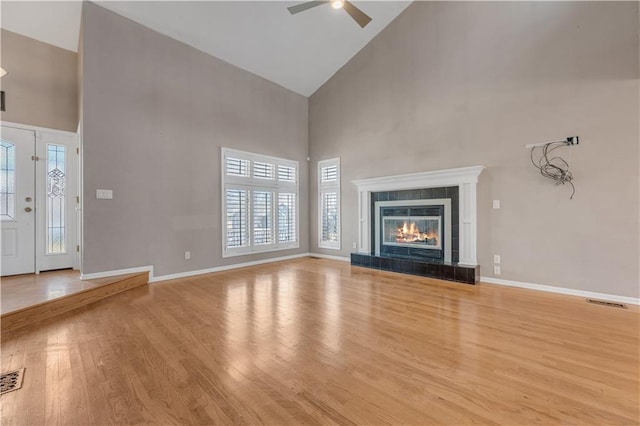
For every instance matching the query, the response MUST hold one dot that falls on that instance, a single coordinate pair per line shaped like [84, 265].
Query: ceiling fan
[359, 16]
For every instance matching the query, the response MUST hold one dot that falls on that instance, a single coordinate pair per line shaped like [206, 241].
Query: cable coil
[554, 168]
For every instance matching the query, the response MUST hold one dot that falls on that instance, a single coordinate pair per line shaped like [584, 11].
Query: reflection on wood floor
[314, 341]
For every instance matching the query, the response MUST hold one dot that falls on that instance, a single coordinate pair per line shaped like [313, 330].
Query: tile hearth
[425, 268]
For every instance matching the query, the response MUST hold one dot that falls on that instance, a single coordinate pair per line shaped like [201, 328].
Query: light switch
[104, 194]
[496, 204]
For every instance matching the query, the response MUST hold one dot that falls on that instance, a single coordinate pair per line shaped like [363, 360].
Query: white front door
[17, 201]
[39, 200]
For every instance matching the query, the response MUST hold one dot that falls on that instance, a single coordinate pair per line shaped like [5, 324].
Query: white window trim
[329, 187]
[250, 183]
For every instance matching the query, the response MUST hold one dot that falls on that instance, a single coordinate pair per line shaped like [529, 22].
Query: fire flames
[409, 233]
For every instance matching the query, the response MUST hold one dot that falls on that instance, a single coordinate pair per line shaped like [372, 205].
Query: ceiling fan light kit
[359, 16]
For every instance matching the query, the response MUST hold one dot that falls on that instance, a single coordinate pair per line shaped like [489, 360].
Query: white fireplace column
[465, 178]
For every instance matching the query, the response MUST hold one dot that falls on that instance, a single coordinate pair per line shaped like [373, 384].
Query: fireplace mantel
[465, 178]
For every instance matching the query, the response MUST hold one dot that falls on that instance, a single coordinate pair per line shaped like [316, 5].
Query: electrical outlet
[496, 270]
[354, 245]
[496, 204]
[187, 255]
[496, 259]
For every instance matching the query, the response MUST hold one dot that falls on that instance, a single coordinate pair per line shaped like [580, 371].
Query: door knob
[27, 209]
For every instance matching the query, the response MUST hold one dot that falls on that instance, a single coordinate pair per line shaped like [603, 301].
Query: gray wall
[452, 84]
[155, 114]
[41, 85]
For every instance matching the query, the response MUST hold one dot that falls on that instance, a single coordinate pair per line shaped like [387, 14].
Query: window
[259, 202]
[237, 217]
[329, 204]
[7, 181]
[55, 199]
[287, 217]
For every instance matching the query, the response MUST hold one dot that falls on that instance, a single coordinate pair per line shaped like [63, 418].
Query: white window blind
[263, 170]
[286, 173]
[262, 217]
[237, 217]
[237, 167]
[259, 205]
[329, 204]
[329, 211]
[286, 217]
[329, 173]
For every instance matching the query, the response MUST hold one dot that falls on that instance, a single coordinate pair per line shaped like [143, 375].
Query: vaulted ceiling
[299, 52]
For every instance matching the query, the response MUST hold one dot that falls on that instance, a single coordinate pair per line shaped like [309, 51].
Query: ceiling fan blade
[359, 16]
[305, 6]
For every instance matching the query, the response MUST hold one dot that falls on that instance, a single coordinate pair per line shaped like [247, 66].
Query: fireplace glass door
[412, 231]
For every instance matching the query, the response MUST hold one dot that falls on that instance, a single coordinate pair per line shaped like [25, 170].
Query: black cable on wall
[554, 167]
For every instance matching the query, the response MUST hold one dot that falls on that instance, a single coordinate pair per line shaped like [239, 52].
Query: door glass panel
[7, 181]
[55, 199]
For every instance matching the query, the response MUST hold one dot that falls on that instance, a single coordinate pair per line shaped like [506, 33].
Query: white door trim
[36, 128]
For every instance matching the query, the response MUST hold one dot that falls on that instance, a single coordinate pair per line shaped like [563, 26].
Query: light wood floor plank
[319, 342]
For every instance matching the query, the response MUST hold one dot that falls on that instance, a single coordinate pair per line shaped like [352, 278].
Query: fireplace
[413, 228]
[422, 224]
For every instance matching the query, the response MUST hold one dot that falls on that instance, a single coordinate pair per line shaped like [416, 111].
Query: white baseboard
[118, 272]
[153, 278]
[489, 280]
[563, 290]
[327, 256]
[225, 268]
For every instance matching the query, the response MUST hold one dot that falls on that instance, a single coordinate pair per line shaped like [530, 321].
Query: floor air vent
[11, 381]
[605, 303]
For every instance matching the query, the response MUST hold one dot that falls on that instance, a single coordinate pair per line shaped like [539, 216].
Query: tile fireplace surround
[466, 269]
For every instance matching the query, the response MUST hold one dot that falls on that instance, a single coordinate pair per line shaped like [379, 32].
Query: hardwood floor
[314, 341]
[21, 291]
[76, 297]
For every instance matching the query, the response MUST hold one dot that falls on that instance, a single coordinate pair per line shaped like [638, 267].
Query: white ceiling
[299, 52]
[53, 22]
